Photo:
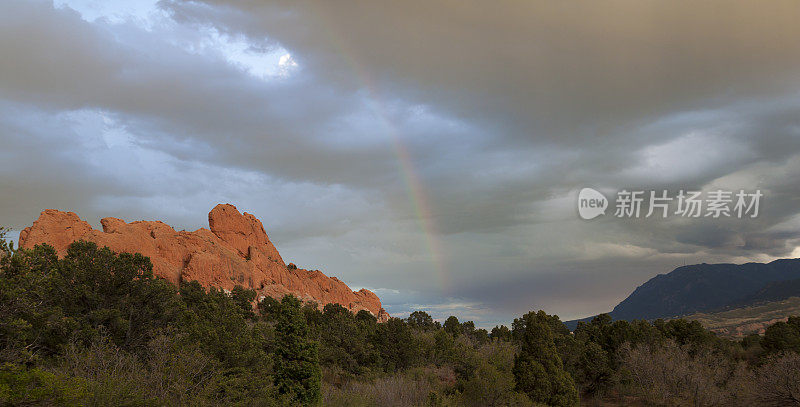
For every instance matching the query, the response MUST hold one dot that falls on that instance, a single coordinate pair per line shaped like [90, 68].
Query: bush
[670, 373]
[22, 386]
[777, 381]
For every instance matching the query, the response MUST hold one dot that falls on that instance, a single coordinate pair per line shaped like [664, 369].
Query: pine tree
[538, 370]
[297, 371]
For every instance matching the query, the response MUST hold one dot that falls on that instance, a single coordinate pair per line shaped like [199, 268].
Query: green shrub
[23, 386]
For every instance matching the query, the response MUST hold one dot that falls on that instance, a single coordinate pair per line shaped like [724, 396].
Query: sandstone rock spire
[234, 251]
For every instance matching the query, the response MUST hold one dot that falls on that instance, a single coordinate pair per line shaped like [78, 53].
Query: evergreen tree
[501, 332]
[452, 326]
[421, 320]
[297, 371]
[538, 370]
[398, 348]
[783, 336]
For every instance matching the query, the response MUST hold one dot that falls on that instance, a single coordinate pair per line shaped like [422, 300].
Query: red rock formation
[236, 251]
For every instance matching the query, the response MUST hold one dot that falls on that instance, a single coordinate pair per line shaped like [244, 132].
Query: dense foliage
[97, 328]
[538, 368]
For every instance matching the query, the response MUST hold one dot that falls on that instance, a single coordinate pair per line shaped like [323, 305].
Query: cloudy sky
[431, 151]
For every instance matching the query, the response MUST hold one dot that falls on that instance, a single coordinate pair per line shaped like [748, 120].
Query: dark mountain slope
[702, 287]
[774, 291]
[709, 287]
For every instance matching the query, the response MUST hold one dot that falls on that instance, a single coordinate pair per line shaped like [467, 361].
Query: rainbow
[416, 193]
[415, 189]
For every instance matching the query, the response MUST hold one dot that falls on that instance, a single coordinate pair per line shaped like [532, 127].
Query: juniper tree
[538, 370]
[297, 371]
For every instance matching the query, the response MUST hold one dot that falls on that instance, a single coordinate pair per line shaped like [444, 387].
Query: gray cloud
[538, 70]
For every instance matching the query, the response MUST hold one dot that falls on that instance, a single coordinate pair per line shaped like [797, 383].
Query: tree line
[98, 328]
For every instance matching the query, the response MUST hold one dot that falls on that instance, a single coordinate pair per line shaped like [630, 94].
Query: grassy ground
[740, 322]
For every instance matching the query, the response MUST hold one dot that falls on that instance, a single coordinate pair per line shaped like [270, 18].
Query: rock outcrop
[234, 251]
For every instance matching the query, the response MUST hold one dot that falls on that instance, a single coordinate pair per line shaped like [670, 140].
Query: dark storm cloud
[542, 71]
[506, 110]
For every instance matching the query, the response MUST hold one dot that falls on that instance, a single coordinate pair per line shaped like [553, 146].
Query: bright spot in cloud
[286, 61]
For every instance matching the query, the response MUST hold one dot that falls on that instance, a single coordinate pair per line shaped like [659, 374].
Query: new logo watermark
[685, 203]
[591, 203]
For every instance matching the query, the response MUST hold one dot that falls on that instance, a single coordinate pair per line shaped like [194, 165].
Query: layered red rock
[234, 251]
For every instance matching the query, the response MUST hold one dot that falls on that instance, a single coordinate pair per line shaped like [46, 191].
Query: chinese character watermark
[688, 204]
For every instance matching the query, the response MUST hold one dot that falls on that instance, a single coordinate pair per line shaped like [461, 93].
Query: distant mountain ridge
[709, 287]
